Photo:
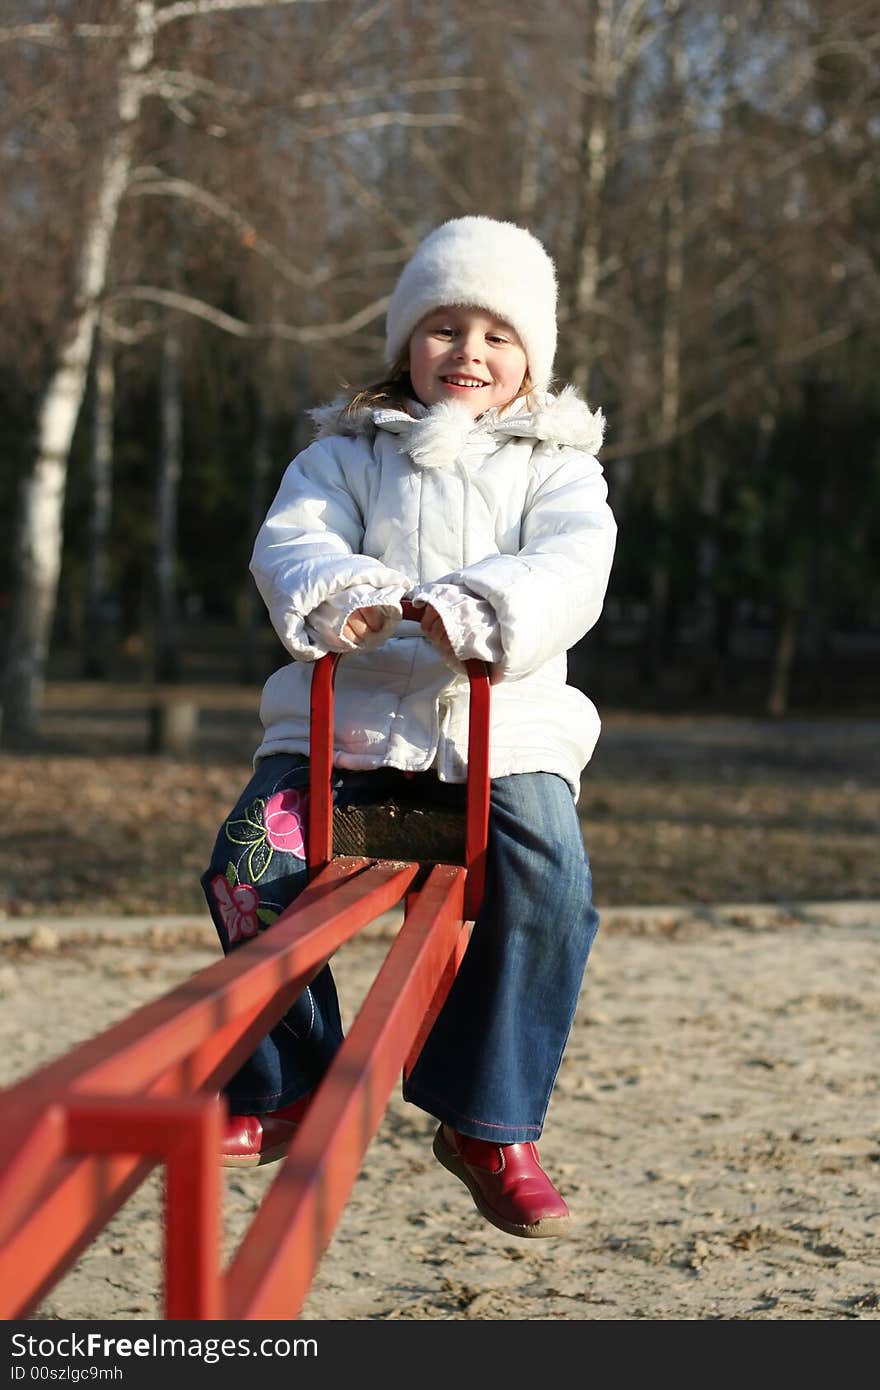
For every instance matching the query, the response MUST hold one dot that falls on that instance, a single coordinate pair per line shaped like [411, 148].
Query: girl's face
[467, 355]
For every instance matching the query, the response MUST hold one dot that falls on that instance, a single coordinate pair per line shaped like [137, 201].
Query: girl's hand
[432, 627]
[361, 622]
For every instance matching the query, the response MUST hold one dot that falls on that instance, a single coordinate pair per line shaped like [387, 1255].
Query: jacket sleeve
[543, 599]
[307, 562]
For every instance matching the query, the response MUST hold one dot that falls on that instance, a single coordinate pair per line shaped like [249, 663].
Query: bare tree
[39, 533]
[136, 63]
[99, 599]
[708, 214]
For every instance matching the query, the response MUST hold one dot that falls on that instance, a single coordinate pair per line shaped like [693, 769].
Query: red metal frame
[78, 1136]
[321, 750]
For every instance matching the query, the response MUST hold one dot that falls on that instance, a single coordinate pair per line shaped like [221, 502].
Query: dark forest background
[206, 203]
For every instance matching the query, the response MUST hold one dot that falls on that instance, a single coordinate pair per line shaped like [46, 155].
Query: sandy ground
[716, 1128]
[674, 810]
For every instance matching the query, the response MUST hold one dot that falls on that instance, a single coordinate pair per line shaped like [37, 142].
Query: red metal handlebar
[320, 843]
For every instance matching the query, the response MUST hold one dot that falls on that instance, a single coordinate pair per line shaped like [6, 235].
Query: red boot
[507, 1183]
[251, 1140]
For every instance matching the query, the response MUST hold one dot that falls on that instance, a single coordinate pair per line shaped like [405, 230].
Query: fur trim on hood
[444, 434]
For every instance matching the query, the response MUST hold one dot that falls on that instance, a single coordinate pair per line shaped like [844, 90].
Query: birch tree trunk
[670, 407]
[98, 625]
[166, 642]
[39, 534]
[659, 626]
[251, 609]
[593, 172]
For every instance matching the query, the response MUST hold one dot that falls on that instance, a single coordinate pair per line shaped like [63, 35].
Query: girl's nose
[469, 348]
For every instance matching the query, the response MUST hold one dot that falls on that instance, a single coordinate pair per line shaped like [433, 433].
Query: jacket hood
[444, 434]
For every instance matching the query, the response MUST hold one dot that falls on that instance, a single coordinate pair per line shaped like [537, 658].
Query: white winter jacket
[502, 524]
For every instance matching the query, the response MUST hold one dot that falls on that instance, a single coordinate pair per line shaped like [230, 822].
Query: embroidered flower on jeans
[278, 823]
[284, 818]
[238, 905]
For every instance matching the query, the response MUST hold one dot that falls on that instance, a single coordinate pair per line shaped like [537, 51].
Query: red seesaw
[78, 1136]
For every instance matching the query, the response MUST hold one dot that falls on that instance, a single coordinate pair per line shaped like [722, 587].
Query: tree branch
[238, 328]
[715, 404]
[424, 84]
[51, 30]
[372, 202]
[378, 119]
[429, 160]
[170, 83]
[192, 193]
[186, 9]
[345, 36]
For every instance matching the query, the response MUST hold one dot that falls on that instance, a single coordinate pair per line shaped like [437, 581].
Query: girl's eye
[496, 338]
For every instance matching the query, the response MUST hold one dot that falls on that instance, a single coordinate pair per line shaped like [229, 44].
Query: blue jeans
[490, 1062]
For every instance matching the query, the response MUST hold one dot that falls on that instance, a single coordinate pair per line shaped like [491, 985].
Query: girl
[461, 483]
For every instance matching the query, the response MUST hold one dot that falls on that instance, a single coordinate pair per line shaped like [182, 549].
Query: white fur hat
[490, 265]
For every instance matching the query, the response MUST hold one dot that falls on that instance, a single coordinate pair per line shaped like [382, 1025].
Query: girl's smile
[466, 354]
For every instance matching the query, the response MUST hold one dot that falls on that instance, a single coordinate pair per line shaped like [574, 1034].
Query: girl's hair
[396, 390]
